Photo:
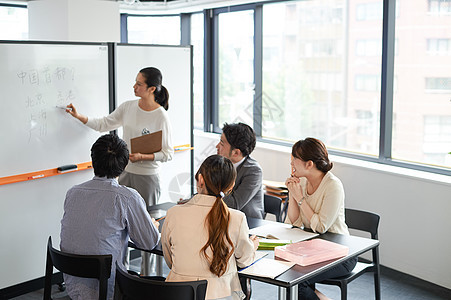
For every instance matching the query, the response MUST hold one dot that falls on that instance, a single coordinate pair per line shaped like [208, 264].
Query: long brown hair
[219, 176]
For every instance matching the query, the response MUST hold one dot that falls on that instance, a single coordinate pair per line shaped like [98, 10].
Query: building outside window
[437, 139]
[423, 84]
[236, 67]
[311, 85]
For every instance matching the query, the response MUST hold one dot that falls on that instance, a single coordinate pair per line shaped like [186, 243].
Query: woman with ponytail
[145, 115]
[316, 201]
[204, 239]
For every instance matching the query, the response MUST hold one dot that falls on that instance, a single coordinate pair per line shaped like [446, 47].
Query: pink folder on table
[311, 252]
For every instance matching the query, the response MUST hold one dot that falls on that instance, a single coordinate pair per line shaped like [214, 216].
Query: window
[320, 14]
[369, 11]
[365, 128]
[163, 30]
[369, 83]
[438, 84]
[197, 40]
[322, 75]
[439, 46]
[236, 67]
[421, 131]
[369, 47]
[13, 23]
[309, 70]
[439, 6]
[437, 139]
[322, 47]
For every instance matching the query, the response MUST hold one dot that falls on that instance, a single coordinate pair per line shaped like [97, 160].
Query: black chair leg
[344, 291]
[377, 285]
[48, 278]
[61, 287]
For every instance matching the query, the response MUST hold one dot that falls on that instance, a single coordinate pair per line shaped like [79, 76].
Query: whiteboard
[175, 64]
[34, 80]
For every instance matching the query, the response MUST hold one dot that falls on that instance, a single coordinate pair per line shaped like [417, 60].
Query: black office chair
[368, 222]
[86, 266]
[132, 287]
[273, 205]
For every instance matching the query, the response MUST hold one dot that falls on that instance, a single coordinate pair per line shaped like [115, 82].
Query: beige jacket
[184, 234]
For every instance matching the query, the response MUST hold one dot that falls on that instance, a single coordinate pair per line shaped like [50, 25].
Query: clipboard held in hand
[147, 144]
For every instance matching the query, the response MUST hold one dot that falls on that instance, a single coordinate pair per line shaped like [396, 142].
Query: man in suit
[237, 143]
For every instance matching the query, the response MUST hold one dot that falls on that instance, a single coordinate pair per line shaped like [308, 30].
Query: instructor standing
[148, 114]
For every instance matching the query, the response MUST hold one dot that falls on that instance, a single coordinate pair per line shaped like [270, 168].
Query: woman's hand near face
[294, 188]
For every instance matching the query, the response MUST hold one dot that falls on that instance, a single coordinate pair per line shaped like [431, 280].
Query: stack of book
[276, 188]
[310, 252]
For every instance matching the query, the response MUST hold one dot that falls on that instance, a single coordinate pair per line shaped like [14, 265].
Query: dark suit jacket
[247, 194]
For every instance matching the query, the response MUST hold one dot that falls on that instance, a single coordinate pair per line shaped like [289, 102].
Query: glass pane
[422, 107]
[197, 40]
[13, 23]
[163, 30]
[321, 72]
[236, 67]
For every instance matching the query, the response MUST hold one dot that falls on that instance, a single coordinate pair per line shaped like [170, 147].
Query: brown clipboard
[147, 144]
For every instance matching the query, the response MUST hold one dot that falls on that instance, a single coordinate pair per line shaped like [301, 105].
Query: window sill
[353, 162]
[376, 167]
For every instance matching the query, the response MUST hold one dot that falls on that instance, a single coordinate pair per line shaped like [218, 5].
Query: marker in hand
[63, 107]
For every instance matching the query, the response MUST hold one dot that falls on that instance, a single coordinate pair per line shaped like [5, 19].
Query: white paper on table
[267, 267]
[282, 231]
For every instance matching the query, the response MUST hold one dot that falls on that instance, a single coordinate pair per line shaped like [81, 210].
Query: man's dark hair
[240, 136]
[109, 156]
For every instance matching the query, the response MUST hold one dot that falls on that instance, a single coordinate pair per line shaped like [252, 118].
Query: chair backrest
[132, 287]
[86, 266]
[273, 205]
[362, 220]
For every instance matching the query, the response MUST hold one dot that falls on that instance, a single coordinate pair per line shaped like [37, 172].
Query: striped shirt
[100, 216]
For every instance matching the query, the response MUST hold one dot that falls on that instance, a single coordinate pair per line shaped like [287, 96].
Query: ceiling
[163, 6]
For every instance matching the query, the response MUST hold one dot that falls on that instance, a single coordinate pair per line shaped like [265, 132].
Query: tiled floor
[395, 285]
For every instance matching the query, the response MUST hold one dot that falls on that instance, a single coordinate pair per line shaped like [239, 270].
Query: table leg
[159, 265]
[282, 293]
[288, 293]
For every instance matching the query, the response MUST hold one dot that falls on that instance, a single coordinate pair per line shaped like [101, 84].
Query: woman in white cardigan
[316, 201]
[204, 239]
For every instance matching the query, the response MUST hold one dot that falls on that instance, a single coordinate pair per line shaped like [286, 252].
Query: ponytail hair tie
[221, 194]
